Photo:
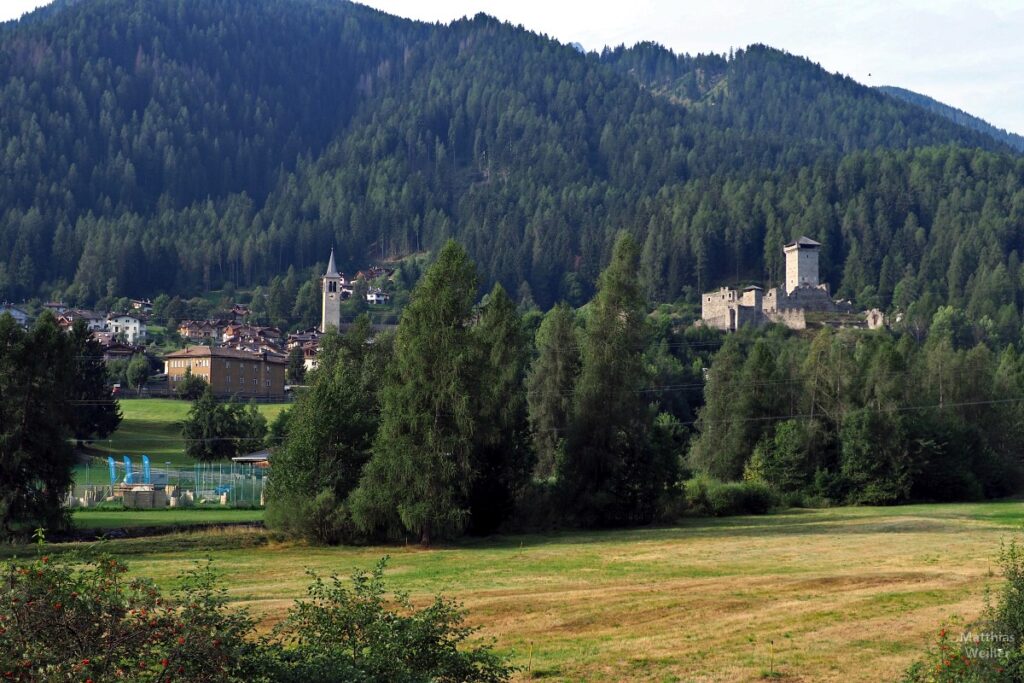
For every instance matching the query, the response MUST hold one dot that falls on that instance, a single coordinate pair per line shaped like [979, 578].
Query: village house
[20, 316]
[55, 307]
[131, 328]
[238, 312]
[309, 359]
[114, 349]
[201, 330]
[96, 322]
[229, 372]
[302, 337]
[377, 296]
[142, 305]
[251, 335]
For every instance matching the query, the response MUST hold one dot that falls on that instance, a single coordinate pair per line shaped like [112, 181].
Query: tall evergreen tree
[36, 457]
[331, 430]
[97, 413]
[422, 467]
[502, 456]
[551, 386]
[609, 474]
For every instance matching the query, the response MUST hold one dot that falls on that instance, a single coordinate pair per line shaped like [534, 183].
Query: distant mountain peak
[958, 116]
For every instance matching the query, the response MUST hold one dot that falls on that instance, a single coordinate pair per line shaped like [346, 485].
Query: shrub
[705, 496]
[321, 519]
[990, 649]
[343, 633]
[83, 619]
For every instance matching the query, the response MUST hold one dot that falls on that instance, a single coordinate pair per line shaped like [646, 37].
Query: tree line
[866, 418]
[613, 414]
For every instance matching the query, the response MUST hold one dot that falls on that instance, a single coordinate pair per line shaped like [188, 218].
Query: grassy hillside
[153, 427]
[839, 595]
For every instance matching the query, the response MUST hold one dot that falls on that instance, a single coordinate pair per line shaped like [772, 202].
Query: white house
[95, 321]
[133, 329]
[375, 295]
[20, 316]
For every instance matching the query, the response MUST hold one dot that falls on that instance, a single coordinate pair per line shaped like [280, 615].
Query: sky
[967, 54]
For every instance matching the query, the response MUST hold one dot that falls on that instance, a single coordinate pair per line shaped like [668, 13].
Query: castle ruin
[729, 308]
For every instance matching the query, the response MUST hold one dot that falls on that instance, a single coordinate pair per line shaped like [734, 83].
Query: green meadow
[843, 594]
[152, 426]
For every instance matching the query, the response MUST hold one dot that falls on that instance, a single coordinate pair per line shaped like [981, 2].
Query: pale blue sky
[967, 54]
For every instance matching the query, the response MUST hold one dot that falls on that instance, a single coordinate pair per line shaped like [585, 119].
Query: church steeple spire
[332, 270]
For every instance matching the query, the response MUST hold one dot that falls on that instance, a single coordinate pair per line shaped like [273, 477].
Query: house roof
[258, 456]
[220, 352]
[750, 287]
[803, 242]
[332, 270]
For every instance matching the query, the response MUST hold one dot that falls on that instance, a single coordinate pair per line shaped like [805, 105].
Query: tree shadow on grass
[795, 522]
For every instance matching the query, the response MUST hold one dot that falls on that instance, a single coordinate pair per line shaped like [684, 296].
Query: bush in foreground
[990, 650]
[83, 619]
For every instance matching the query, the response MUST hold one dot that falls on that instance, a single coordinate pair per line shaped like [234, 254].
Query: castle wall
[716, 305]
[793, 318]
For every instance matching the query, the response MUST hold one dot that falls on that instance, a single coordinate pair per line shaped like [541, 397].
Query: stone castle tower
[801, 264]
[330, 287]
[802, 292]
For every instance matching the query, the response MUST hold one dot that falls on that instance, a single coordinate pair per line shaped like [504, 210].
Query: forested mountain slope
[958, 116]
[178, 145]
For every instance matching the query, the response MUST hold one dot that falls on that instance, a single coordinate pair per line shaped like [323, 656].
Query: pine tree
[609, 473]
[296, 369]
[330, 433]
[551, 386]
[422, 466]
[97, 413]
[502, 456]
[718, 451]
[36, 457]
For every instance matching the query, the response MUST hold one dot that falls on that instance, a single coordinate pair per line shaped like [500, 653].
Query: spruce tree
[420, 474]
[551, 385]
[718, 449]
[502, 458]
[36, 457]
[609, 474]
[330, 433]
[97, 413]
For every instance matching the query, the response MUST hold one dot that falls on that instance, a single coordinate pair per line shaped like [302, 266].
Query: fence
[219, 483]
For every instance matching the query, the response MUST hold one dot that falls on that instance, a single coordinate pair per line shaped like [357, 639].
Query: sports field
[153, 426]
[848, 594]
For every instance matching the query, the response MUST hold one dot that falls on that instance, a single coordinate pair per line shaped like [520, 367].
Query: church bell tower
[330, 286]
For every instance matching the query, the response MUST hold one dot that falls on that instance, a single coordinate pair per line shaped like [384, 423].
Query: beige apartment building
[230, 372]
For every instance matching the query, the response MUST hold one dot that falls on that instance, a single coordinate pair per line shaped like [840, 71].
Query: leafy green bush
[74, 618]
[706, 496]
[350, 633]
[79, 618]
[988, 650]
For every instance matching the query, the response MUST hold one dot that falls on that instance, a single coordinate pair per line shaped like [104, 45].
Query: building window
[255, 381]
[268, 382]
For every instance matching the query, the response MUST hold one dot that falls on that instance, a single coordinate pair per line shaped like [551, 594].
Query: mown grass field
[153, 426]
[120, 519]
[848, 594]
